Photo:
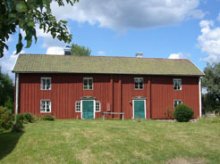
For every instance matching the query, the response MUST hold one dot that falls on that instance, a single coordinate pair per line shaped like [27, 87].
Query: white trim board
[82, 108]
[145, 107]
[200, 98]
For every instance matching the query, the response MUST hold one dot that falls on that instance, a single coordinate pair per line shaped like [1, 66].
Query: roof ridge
[101, 56]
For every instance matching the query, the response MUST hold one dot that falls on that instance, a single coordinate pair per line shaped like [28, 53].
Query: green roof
[104, 65]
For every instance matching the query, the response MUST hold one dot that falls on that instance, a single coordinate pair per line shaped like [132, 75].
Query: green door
[88, 109]
[139, 109]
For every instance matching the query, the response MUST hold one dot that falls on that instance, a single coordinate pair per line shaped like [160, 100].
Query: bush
[183, 113]
[18, 126]
[20, 118]
[48, 117]
[28, 117]
[6, 119]
[25, 118]
[9, 104]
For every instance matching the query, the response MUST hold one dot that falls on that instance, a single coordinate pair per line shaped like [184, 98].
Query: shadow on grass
[8, 142]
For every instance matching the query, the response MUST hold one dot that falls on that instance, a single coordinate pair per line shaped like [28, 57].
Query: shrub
[28, 117]
[18, 126]
[48, 117]
[20, 118]
[183, 113]
[6, 119]
[9, 104]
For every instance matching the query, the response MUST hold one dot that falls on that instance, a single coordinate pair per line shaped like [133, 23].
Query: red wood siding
[115, 92]
[163, 95]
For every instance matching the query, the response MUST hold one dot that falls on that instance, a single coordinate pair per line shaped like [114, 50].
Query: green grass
[76, 141]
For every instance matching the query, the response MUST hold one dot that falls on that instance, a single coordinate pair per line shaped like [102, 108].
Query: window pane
[138, 83]
[87, 83]
[177, 102]
[46, 83]
[90, 83]
[141, 86]
[77, 107]
[45, 106]
[97, 106]
[177, 84]
[43, 83]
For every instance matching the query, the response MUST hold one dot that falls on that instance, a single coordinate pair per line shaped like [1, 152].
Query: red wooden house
[116, 87]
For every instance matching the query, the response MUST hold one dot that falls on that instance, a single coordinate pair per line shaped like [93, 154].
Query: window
[177, 102]
[97, 106]
[87, 83]
[45, 83]
[177, 84]
[78, 106]
[45, 106]
[138, 83]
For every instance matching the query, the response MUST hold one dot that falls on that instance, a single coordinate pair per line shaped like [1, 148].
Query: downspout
[200, 98]
[16, 93]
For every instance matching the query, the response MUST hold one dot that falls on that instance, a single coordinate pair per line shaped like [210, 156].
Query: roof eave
[50, 72]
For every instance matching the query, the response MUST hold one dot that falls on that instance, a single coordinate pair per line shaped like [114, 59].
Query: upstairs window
[45, 83]
[138, 83]
[78, 106]
[97, 106]
[177, 102]
[177, 84]
[87, 83]
[45, 106]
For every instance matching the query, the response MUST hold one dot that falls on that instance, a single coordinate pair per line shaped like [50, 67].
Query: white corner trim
[17, 92]
[200, 98]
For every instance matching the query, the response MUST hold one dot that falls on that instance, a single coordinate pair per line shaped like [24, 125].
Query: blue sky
[158, 28]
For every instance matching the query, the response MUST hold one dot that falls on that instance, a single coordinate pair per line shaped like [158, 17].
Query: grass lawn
[98, 141]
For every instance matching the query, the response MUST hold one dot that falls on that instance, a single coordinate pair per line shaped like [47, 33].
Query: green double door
[139, 109]
[88, 109]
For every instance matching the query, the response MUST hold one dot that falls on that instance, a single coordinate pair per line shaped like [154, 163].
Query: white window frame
[177, 80]
[50, 106]
[139, 78]
[87, 78]
[42, 83]
[78, 104]
[99, 105]
[174, 102]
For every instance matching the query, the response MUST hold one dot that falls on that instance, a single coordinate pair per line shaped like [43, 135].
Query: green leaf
[19, 47]
[24, 15]
[21, 6]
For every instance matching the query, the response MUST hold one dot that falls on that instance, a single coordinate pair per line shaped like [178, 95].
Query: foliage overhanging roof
[27, 63]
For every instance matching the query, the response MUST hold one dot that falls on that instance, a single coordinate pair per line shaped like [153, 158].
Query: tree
[6, 91]
[24, 15]
[78, 50]
[211, 82]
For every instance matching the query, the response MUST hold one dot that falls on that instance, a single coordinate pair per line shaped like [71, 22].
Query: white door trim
[144, 107]
[81, 101]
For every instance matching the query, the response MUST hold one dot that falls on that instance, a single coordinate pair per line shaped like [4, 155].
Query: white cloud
[48, 40]
[209, 40]
[7, 63]
[52, 45]
[121, 14]
[55, 50]
[176, 56]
